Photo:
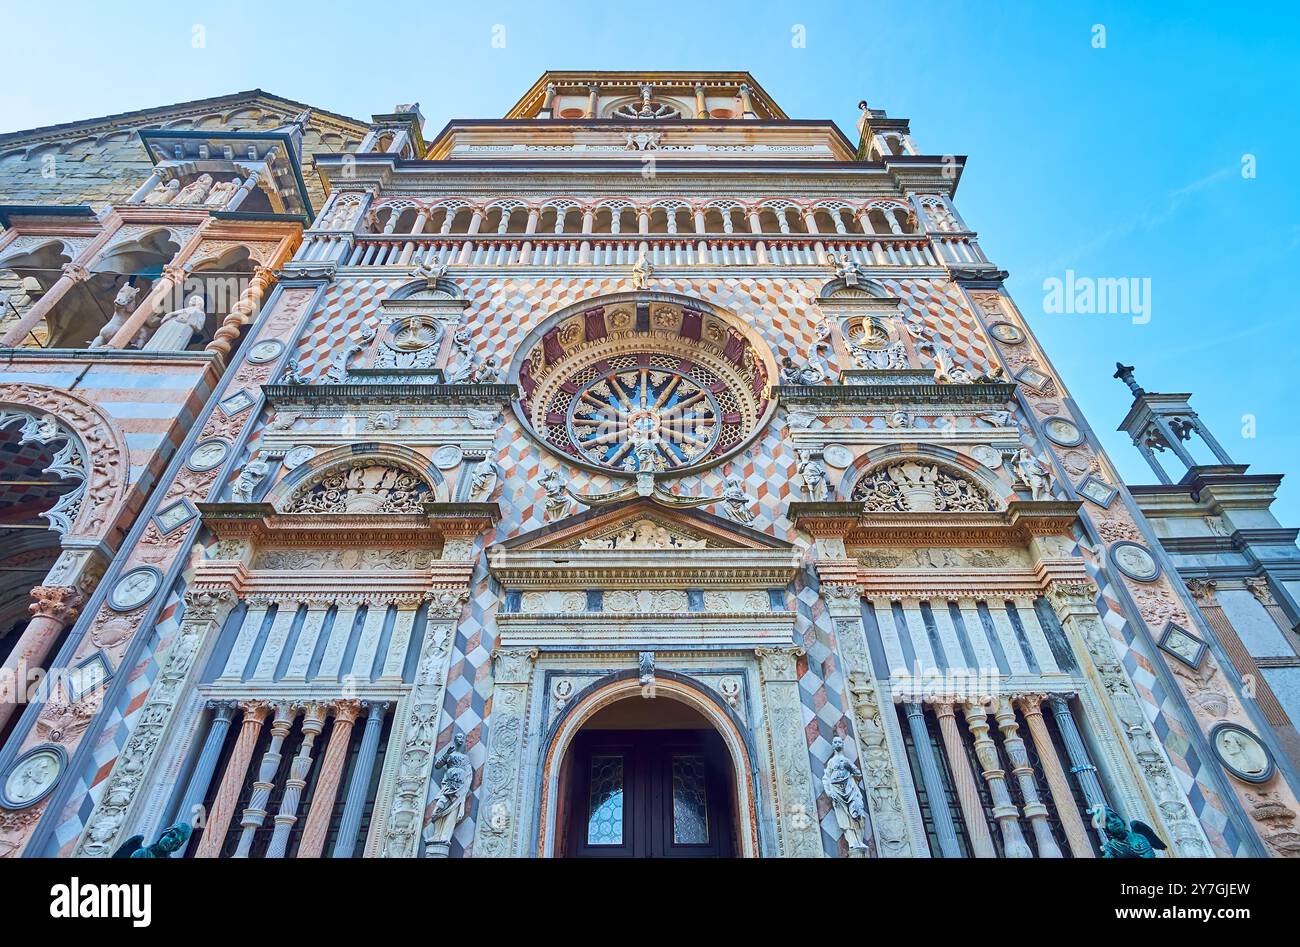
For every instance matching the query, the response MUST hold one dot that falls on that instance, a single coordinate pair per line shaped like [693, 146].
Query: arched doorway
[630, 777]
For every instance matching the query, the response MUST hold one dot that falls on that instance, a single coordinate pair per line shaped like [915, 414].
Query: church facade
[643, 474]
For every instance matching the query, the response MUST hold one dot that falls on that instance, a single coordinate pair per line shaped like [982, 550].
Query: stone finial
[1125, 374]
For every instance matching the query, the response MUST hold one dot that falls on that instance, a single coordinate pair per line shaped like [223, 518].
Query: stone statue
[846, 269]
[292, 374]
[483, 480]
[558, 502]
[196, 192]
[898, 420]
[1034, 474]
[254, 473]
[489, 373]
[642, 269]
[164, 193]
[461, 369]
[812, 477]
[170, 841]
[736, 501]
[222, 192]
[123, 306]
[449, 800]
[1135, 840]
[430, 272]
[815, 369]
[946, 369]
[840, 784]
[179, 327]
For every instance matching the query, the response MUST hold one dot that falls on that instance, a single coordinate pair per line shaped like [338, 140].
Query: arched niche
[897, 479]
[369, 478]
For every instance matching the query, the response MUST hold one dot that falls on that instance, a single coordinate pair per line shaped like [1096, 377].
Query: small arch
[946, 459]
[338, 458]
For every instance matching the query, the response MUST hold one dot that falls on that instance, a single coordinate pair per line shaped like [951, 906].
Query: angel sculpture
[172, 839]
[1134, 840]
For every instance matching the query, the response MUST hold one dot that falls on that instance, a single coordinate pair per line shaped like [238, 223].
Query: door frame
[669, 685]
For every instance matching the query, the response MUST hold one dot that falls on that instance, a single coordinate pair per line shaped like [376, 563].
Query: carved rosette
[420, 730]
[496, 832]
[204, 612]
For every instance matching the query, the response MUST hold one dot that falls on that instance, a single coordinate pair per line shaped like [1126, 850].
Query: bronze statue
[1134, 840]
[170, 841]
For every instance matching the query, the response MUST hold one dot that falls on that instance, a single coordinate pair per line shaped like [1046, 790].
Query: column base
[437, 850]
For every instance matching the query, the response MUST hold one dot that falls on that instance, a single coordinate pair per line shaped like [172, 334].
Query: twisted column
[1004, 810]
[317, 826]
[977, 827]
[241, 313]
[232, 781]
[255, 812]
[312, 722]
[1076, 833]
[1034, 809]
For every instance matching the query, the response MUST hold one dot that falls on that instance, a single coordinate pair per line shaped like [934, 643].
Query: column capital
[1203, 591]
[59, 602]
[1074, 594]
[842, 599]
[222, 709]
[1259, 588]
[513, 665]
[1031, 703]
[208, 604]
[778, 664]
[347, 710]
[256, 710]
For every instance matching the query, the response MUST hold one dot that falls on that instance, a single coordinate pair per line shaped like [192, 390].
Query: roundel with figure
[644, 384]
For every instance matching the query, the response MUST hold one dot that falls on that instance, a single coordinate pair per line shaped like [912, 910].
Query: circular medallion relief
[990, 457]
[265, 350]
[297, 456]
[1135, 561]
[1007, 333]
[33, 776]
[134, 589]
[1242, 753]
[207, 454]
[447, 456]
[1062, 432]
[837, 455]
[643, 383]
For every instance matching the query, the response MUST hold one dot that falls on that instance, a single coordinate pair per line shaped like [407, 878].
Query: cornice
[644, 569]
[1021, 522]
[260, 523]
[351, 394]
[889, 394]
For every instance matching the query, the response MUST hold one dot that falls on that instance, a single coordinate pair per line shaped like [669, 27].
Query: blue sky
[1123, 161]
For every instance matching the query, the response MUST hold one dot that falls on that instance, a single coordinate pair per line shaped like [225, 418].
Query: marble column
[223, 711]
[1076, 833]
[1080, 762]
[933, 781]
[72, 274]
[793, 795]
[255, 812]
[317, 826]
[701, 106]
[1033, 806]
[977, 826]
[232, 780]
[52, 609]
[313, 721]
[593, 93]
[354, 803]
[1004, 810]
[499, 817]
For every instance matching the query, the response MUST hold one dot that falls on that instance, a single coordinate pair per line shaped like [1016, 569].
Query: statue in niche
[812, 477]
[179, 327]
[123, 306]
[164, 193]
[461, 369]
[1034, 474]
[736, 502]
[1134, 840]
[222, 192]
[642, 270]
[196, 192]
[169, 842]
[449, 800]
[483, 480]
[254, 472]
[558, 503]
[840, 784]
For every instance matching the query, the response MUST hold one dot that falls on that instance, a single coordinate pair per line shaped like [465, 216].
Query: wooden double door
[650, 794]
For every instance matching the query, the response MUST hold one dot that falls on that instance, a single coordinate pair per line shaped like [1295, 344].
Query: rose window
[638, 385]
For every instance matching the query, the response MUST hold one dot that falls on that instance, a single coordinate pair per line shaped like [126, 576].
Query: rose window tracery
[642, 385]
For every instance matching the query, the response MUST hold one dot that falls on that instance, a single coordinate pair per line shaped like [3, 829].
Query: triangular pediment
[641, 525]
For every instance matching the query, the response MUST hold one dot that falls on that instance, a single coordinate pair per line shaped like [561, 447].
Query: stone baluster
[222, 713]
[313, 721]
[1080, 762]
[593, 93]
[232, 781]
[977, 827]
[354, 803]
[933, 781]
[52, 609]
[255, 812]
[1033, 806]
[1076, 833]
[1004, 810]
[548, 101]
[317, 825]
[701, 106]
